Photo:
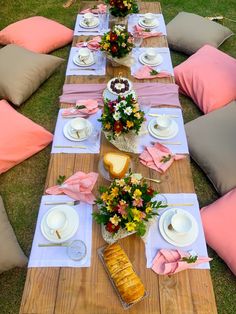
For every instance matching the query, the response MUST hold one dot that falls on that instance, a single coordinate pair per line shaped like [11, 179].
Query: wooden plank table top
[88, 290]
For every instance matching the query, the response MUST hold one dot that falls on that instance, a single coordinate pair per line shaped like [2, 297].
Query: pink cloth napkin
[170, 262]
[142, 33]
[91, 107]
[79, 186]
[157, 93]
[144, 73]
[100, 8]
[154, 157]
[92, 44]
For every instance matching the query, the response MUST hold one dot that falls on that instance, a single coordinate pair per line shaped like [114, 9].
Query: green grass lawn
[22, 186]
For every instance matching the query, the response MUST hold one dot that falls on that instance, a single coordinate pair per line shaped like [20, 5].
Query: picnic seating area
[117, 158]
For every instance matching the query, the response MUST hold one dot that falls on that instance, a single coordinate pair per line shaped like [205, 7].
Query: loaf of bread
[129, 285]
[117, 164]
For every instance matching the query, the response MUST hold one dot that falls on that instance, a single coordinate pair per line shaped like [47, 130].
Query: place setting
[151, 24]
[157, 59]
[83, 61]
[91, 24]
[164, 126]
[63, 235]
[77, 134]
[178, 227]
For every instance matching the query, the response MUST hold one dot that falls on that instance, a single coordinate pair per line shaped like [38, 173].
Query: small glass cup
[161, 198]
[137, 39]
[77, 250]
[144, 104]
[102, 21]
[94, 137]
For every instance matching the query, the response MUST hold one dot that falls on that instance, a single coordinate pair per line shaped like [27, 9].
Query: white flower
[128, 111]
[119, 28]
[123, 103]
[117, 106]
[116, 116]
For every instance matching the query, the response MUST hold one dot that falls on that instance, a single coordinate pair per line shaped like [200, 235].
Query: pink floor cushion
[219, 226]
[20, 137]
[208, 77]
[37, 34]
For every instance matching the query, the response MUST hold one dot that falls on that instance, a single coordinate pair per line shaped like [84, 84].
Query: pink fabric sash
[157, 93]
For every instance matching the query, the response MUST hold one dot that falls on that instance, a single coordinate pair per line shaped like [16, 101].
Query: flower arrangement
[126, 203]
[118, 42]
[121, 116]
[122, 7]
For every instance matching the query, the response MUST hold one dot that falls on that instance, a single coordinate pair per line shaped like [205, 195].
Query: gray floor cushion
[212, 144]
[188, 32]
[11, 254]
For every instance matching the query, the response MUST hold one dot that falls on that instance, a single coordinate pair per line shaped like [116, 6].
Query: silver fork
[71, 203]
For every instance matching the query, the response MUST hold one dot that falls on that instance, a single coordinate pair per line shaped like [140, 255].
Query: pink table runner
[157, 93]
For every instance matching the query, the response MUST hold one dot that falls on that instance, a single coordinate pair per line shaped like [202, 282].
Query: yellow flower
[115, 220]
[127, 188]
[105, 196]
[120, 182]
[117, 33]
[109, 208]
[115, 192]
[106, 46]
[129, 6]
[135, 109]
[130, 226]
[129, 124]
[137, 214]
[123, 45]
[125, 3]
[107, 126]
[148, 209]
[137, 115]
[137, 194]
[108, 37]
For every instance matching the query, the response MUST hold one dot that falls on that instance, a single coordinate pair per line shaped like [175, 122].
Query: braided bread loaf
[127, 282]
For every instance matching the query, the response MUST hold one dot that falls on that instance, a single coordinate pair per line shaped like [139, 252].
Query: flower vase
[127, 142]
[113, 237]
[118, 20]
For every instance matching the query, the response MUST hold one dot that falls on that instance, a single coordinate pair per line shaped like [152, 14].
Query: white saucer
[94, 24]
[143, 24]
[71, 137]
[173, 237]
[158, 60]
[87, 63]
[163, 134]
[69, 231]
[108, 95]
[105, 173]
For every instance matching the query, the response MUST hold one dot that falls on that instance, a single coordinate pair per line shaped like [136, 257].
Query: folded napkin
[100, 8]
[79, 186]
[145, 34]
[90, 107]
[158, 157]
[145, 73]
[172, 261]
[92, 44]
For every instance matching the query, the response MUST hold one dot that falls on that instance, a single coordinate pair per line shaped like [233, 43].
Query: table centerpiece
[120, 9]
[117, 44]
[121, 121]
[125, 207]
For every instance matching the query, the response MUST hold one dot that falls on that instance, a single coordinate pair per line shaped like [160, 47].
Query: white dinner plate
[94, 24]
[171, 132]
[172, 236]
[157, 61]
[71, 137]
[66, 233]
[87, 63]
[142, 23]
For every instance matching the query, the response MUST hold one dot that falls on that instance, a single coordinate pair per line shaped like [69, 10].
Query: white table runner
[59, 138]
[57, 256]
[154, 240]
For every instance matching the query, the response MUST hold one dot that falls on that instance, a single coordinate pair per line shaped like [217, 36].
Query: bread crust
[111, 167]
[129, 285]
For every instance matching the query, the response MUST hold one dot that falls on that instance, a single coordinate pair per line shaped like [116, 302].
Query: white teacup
[151, 54]
[84, 54]
[56, 220]
[88, 18]
[181, 223]
[149, 18]
[163, 122]
[79, 127]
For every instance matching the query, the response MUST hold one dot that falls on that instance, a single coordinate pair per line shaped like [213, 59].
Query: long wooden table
[88, 290]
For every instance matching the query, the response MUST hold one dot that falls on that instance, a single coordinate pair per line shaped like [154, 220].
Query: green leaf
[141, 229]
[166, 158]
[153, 72]
[61, 180]
[191, 259]
[80, 106]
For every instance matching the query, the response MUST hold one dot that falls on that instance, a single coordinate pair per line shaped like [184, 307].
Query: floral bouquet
[121, 116]
[118, 42]
[122, 7]
[126, 204]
